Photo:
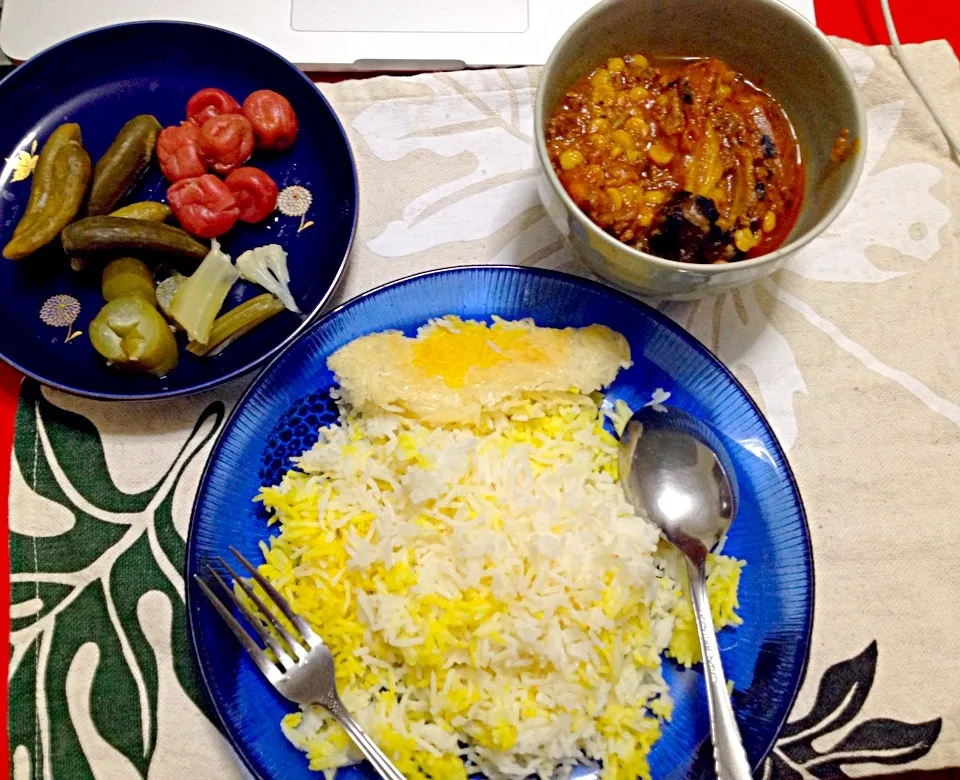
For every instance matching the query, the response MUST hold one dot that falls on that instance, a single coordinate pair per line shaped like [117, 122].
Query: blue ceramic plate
[102, 79]
[279, 416]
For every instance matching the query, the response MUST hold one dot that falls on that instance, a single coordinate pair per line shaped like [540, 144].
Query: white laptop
[391, 35]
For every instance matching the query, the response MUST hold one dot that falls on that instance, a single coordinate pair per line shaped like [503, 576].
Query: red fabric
[858, 20]
[9, 391]
[862, 20]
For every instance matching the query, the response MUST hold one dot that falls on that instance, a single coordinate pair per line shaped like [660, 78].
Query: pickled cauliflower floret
[267, 267]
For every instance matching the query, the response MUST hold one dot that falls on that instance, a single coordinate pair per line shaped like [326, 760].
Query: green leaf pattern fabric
[101, 680]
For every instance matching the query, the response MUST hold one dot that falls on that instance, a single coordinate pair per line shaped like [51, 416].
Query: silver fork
[304, 671]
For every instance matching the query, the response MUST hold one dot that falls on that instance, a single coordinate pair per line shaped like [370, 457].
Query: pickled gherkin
[128, 276]
[150, 210]
[123, 163]
[95, 235]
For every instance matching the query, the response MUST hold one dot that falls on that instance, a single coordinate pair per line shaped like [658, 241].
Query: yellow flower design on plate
[24, 163]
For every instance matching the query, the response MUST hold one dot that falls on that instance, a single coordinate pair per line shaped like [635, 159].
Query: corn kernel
[769, 222]
[660, 154]
[723, 92]
[745, 239]
[599, 140]
[615, 151]
[570, 158]
[646, 216]
[616, 199]
[638, 93]
[600, 78]
[603, 94]
[622, 138]
[634, 156]
[616, 65]
[654, 196]
[599, 125]
[639, 62]
[631, 193]
[636, 127]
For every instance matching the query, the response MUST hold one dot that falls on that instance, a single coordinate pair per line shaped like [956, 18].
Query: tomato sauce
[682, 158]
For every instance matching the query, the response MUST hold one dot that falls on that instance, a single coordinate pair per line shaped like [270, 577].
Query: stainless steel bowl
[773, 46]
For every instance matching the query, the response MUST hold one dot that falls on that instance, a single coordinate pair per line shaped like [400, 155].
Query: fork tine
[270, 671]
[305, 630]
[262, 632]
[293, 643]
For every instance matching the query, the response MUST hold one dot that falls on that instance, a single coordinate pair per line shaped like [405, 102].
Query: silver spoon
[676, 473]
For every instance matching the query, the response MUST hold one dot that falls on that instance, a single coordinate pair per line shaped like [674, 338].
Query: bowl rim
[791, 246]
[25, 70]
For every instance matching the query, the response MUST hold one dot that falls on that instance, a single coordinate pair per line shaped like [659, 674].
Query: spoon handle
[728, 753]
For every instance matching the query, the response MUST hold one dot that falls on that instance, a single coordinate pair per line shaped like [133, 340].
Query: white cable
[900, 54]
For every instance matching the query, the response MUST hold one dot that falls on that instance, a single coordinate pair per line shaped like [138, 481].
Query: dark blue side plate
[279, 415]
[100, 80]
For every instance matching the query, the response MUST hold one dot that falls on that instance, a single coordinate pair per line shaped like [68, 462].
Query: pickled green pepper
[59, 185]
[133, 335]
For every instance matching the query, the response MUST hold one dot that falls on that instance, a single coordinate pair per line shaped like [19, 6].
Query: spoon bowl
[677, 474]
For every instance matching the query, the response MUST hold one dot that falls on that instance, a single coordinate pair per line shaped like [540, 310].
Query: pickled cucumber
[134, 236]
[128, 276]
[150, 210]
[123, 163]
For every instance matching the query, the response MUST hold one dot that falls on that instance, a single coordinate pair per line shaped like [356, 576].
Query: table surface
[857, 20]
